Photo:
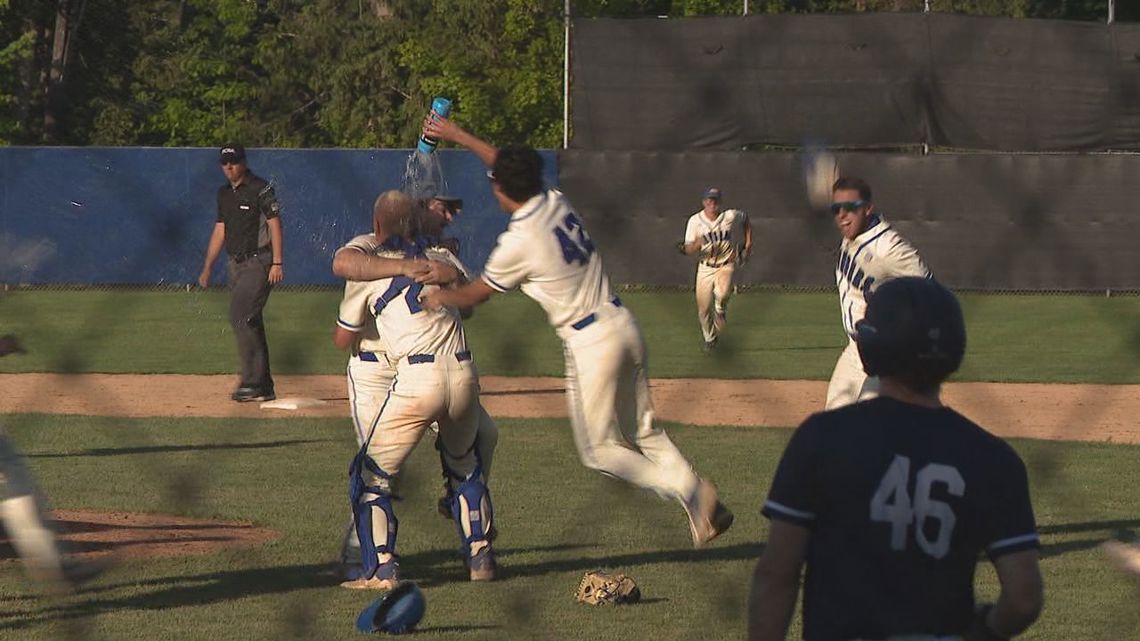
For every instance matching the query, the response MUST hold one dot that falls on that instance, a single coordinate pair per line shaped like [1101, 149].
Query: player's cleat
[709, 518]
[1124, 556]
[709, 346]
[246, 394]
[482, 565]
[386, 578]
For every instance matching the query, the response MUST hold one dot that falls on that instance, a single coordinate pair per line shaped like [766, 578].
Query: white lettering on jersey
[546, 251]
[719, 237]
[892, 504]
[877, 255]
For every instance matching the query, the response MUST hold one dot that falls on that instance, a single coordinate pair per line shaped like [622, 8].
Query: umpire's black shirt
[244, 210]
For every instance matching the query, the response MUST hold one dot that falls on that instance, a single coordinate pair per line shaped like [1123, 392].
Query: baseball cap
[712, 192]
[232, 153]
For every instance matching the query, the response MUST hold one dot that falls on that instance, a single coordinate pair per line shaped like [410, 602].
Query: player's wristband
[979, 629]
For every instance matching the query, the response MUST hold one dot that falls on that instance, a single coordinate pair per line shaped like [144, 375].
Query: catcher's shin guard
[373, 517]
[472, 511]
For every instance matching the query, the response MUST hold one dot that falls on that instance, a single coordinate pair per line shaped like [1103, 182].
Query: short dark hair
[850, 182]
[518, 171]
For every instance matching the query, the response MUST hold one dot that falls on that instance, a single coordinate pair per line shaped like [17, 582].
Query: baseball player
[434, 380]
[870, 253]
[714, 233]
[23, 512]
[890, 501]
[548, 253]
[369, 372]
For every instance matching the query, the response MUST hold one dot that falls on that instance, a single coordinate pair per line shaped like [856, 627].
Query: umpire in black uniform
[249, 227]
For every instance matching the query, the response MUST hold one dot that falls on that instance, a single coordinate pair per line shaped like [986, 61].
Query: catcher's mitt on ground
[598, 587]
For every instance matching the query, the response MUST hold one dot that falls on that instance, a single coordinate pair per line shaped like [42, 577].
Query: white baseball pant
[611, 411]
[849, 383]
[24, 515]
[714, 287]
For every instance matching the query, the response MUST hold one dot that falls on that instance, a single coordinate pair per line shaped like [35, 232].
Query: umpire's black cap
[232, 153]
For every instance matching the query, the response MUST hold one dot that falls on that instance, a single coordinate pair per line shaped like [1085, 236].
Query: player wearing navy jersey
[890, 501]
[547, 252]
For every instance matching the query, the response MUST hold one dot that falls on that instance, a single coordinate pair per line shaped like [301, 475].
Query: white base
[292, 403]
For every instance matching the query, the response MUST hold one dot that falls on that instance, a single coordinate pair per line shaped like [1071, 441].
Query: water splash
[423, 175]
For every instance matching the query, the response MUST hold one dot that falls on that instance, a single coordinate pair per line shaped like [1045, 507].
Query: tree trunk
[52, 97]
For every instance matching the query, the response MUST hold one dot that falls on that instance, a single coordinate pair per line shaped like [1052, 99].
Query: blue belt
[416, 359]
[371, 357]
[589, 320]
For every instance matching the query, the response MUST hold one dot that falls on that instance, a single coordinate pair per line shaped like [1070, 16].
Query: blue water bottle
[440, 107]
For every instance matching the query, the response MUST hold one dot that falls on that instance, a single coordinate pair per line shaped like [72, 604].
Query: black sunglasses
[849, 205]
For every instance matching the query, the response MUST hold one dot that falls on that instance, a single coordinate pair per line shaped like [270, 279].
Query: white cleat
[710, 517]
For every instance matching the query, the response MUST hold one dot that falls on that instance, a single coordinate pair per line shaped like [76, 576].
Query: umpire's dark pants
[249, 290]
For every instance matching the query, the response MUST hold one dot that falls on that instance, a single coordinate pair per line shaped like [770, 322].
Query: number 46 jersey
[547, 251]
[900, 500]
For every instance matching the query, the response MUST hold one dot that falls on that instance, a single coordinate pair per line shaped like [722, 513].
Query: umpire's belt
[589, 320]
[244, 256]
[416, 359]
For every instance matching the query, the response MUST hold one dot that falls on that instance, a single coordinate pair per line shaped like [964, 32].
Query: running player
[870, 253]
[547, 252]
[890, 501]
[713, 233]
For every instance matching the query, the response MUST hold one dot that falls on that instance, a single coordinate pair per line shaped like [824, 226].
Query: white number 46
[892, 504]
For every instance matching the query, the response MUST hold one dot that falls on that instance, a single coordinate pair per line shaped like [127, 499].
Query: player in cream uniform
[723, 238]
[434, 380]
[546, 251]
[369, 373]
[870, 253]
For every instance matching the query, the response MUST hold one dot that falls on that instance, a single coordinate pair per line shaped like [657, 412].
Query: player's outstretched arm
[445, 129]
[776, 582]
[353, 264]
[469, 295]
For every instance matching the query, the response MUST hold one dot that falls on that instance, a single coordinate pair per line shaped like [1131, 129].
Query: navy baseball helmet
[913, 329]
[397, 612]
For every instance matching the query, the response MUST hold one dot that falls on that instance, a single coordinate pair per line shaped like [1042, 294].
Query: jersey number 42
[580, 247]
[893, 504]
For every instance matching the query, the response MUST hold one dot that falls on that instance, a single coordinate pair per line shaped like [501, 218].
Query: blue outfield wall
[127, 215]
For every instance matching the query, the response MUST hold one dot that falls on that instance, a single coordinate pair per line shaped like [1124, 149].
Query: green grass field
[557, 519]
[1072, 339]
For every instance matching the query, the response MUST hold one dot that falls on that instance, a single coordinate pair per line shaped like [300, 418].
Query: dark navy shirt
[900, 501]
[244, 210]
